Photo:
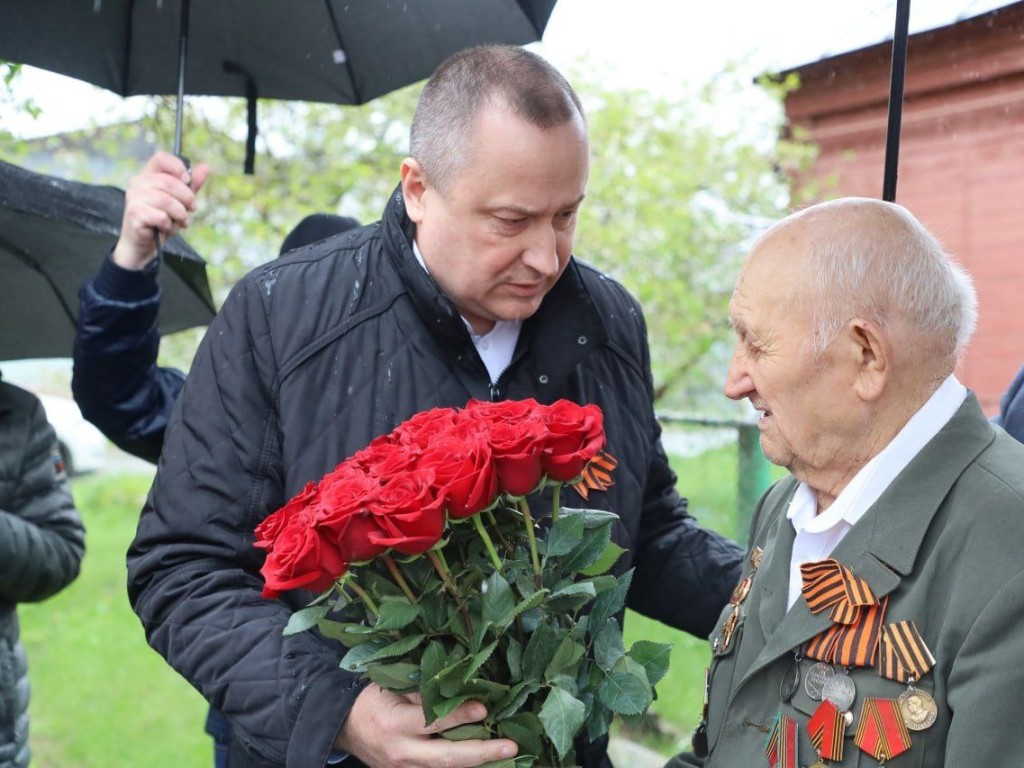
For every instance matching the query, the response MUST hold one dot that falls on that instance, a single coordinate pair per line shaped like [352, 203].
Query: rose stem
[525, 509]
[446, 576]
[497, 528]
[556, 504]
[479, 524]
[367, 600]
[397, 574]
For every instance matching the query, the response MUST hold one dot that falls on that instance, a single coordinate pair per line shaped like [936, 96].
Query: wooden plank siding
[961, 159]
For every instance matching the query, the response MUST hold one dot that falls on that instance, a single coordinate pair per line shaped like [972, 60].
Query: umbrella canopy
[334, 51]
[54, 234]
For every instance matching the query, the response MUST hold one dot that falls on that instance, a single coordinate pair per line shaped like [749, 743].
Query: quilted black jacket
[41, 548]
[310, 358]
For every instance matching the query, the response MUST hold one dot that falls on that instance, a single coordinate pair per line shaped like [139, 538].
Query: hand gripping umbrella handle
[156, 232]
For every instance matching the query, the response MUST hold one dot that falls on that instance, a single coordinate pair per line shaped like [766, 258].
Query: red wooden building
[961, 168]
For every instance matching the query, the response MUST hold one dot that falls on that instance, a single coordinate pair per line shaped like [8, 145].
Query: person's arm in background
[41, 533]
[116, 381]
[1011, 408]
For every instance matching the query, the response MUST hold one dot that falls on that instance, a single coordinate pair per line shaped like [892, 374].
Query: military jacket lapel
[881, 548]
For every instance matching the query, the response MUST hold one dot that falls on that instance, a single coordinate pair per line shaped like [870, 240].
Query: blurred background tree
[678, 187]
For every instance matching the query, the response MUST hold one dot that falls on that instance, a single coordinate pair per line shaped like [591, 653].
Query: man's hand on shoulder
[161, 197]
[386, 729]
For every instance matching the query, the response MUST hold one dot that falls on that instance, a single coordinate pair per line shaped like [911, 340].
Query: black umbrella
[896, 80]
[334, 51]
[54, 234]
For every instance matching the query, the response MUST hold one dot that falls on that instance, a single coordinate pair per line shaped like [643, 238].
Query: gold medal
[755, 557]
[918, 708]
[739, 594]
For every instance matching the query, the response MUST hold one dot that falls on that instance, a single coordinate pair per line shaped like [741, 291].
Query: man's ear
[414, 186]
[872, 356]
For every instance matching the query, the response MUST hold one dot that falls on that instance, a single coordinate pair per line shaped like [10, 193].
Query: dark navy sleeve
[116, 381]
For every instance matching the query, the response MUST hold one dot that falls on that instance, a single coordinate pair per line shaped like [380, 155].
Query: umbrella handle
[156, 232]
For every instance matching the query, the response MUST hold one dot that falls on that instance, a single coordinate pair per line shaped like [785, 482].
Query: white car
[84, 447]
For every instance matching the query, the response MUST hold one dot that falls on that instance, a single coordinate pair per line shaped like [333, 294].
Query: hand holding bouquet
[436, 577]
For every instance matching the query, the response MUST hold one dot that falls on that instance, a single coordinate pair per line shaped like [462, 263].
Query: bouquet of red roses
[436, 577]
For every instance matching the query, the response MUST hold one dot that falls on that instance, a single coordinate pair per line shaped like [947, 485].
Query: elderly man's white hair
[873, 259]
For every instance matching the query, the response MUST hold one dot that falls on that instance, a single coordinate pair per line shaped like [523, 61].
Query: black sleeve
[193, 573]
[41, 534]
[684, 573]
[116, 381]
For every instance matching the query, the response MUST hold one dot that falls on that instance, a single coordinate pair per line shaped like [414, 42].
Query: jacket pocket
[721, 672]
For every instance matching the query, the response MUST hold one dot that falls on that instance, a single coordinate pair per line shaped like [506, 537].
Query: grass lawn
[101, 698]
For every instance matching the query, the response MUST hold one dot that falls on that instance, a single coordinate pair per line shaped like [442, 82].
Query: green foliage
[513, 636]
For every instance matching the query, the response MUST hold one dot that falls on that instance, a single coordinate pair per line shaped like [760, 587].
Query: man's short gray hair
[883, 267]
[464, 84]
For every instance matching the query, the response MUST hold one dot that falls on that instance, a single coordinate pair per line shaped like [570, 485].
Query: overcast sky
[650, 43]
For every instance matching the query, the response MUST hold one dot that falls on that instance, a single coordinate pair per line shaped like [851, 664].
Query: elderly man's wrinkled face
[803, 400]
[500, 236]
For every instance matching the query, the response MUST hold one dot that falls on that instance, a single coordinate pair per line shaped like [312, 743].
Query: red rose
[516, 432]
[575, 436]
[422, 428]
[300, 557]
[383, 458]
[346, 497]
[465, 474]
[409, 514]
[272, 525]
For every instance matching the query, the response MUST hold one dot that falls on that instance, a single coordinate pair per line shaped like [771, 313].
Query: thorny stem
[397, 575]
[497, 528]
[362, 594]
[437, 559]
[530, 536]
[479, 524]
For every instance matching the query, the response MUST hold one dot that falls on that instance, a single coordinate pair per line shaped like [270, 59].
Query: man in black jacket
[466, 288]
[116, 381]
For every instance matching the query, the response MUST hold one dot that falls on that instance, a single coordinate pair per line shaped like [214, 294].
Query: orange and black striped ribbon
[828, 584]
[827, 727]
[881, 731]
[850, 645]
[782, 746]
[904, 653]
[597, 475]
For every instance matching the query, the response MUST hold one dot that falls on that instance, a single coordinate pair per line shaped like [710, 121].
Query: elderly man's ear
[871, 354]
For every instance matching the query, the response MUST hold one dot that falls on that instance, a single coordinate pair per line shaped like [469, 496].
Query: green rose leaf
[396, 613]
[562, 716]
[610, 602]
[526, 730]
[592, 518]
[401, 676]
[625, 693]
[571, 598]
[306, 618]
[514, 699]
[566, 532]
[348, 634]
[479, 659]
[607, 559]
[398, 648]
[608, 645]
[594, 543]
[431, 663]
[566, 659]
[466, 732]
[499, 601]
[514, 658]
[448, 706]
[539, 649]
[357, 657]
[654, 657]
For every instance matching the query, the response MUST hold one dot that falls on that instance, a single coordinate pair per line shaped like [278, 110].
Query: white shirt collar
[495, 347]
[818, 534]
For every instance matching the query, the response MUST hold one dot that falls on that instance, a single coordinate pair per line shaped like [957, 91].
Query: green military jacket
[944, 542]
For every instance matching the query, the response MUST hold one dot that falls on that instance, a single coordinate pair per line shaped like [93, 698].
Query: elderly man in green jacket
[880, 616]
